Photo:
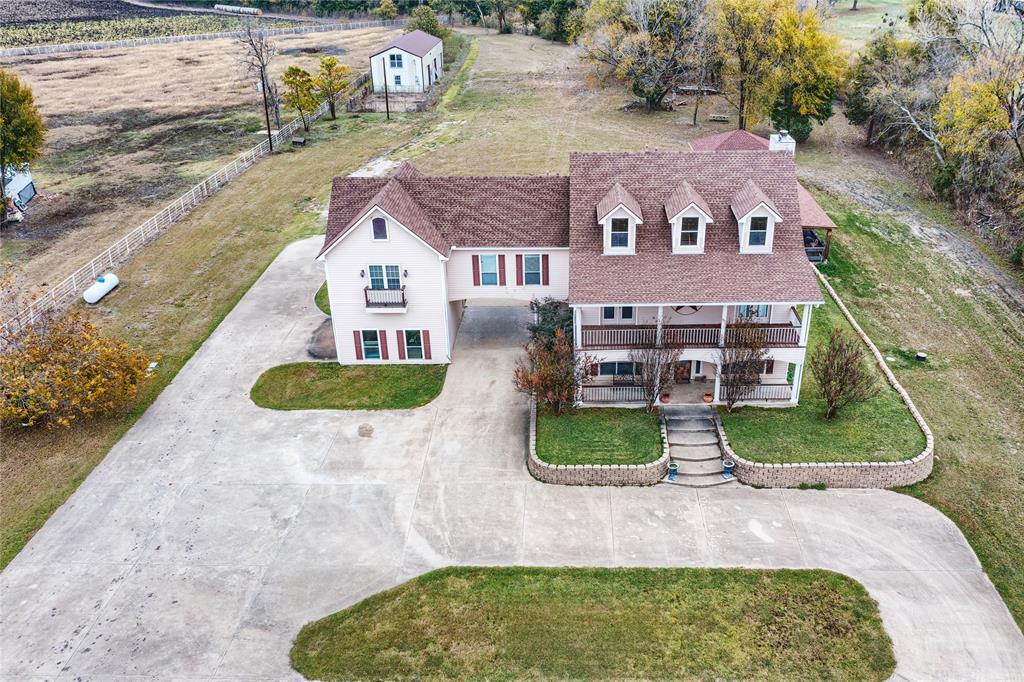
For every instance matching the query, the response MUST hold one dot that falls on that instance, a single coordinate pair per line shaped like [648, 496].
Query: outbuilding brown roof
[654, 275]
[811, 215]
[415, 42]
[458, 211]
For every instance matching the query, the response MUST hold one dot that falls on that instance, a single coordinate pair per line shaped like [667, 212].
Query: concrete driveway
[215, 529]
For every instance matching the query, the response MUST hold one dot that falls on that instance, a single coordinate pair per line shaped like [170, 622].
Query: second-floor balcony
[692, 336]
[385, 299]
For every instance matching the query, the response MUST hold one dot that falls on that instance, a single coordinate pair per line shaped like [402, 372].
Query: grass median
[330, 386]
[601, 624]
[598, 435]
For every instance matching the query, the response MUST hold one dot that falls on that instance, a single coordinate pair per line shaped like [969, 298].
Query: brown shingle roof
[734, 140]
[415, 42]
[811, 214]
[618, 195]
[654, 275]
[456, 211]
[681, 198]
[748, 197]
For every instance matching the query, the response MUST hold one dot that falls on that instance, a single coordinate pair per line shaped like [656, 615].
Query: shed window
[380, 229]
[620, 232]
[396, 62]
[398, 80]
[531, 268]
[371, 344]
[758, 231]
[489, 270]
[689, 228]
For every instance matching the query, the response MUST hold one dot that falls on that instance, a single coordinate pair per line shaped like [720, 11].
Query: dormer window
[620, 233]
[689, 231]
[688, 215]
[758, 234]
[380, 230]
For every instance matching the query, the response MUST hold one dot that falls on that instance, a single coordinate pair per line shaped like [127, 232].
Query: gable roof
[811, 214]
[416, 42]
[681, 198]
[455, 211]
[721, 274]
[733, 140]
[615, 197]
[748, 198]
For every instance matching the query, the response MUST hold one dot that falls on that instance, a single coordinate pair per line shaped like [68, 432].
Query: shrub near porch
[598, 435]
[878, 430]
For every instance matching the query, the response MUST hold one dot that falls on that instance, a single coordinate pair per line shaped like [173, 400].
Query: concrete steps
[694, 447]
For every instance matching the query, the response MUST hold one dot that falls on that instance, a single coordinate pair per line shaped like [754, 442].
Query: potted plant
[728, 464]
[673, 469]
[665, 397]
[709, 398]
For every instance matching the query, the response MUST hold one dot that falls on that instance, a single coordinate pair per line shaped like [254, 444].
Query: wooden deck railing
[766, 392]
[613, 394]
[693, 336]
[385, 298]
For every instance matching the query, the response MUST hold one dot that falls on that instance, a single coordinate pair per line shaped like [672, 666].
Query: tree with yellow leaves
[60, 368]
[331, 79]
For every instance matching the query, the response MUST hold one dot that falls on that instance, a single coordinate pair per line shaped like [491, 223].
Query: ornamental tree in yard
[741, 361]
[424, 19]
[842, 372]
[331, 79]
[654, 367]
[59, 368]
[21, 128]
[552, 372]
[299, 92]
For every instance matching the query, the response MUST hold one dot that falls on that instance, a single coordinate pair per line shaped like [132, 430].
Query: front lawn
[330, 386]
[604, 624]
[598, 435]
[879, 430]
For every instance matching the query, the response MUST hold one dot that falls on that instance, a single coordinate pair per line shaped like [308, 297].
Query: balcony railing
[384, 298]
[765, 392]
[613, 394]
[692, 336]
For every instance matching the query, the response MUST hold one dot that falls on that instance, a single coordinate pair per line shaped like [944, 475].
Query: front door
[682, 373]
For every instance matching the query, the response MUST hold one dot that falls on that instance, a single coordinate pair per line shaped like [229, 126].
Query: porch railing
[766, 392]
[613, 394]
[693, 336]
[385, 298]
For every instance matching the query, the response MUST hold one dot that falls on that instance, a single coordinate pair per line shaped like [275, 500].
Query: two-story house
[648, 248]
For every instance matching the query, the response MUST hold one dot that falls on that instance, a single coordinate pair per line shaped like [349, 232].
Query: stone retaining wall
[841, 474]
[595, 474]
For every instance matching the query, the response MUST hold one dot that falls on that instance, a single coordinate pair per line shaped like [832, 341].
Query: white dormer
[688, 215]
[618, 213]
[756, 217]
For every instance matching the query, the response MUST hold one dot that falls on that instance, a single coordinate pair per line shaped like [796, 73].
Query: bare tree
[653, 370]
[842, 372]
[257, 54]
[741, 360]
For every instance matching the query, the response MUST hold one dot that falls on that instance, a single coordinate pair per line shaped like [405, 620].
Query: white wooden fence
[63, 293]
[157, 40]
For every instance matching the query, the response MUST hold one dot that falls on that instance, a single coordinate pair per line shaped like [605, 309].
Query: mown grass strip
[330, 386]
[598, 435]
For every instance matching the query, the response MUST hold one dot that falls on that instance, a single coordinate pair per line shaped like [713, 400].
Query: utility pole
[387, 103]
[266, 107]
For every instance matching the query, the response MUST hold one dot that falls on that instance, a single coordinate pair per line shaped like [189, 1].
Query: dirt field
[130, 129]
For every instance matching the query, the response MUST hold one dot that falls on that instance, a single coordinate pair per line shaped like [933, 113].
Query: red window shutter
[769, 366]
[476, 270]
[382, 335]
[519, 269]
[359, 343]
[400, 335]
[545, 269]
[501, 269]
[426, 344]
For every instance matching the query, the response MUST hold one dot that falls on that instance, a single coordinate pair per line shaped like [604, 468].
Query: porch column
[718, 380]
[661, 319]
[798, 376]
[577, 328]
[805, 324]
[721, 334]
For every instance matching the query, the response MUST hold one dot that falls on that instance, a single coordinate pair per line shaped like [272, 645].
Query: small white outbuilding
[410, 63]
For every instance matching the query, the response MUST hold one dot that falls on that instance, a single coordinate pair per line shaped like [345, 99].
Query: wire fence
[157, 40]
[62, 294]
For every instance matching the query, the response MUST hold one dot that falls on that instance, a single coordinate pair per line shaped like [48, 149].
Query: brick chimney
[782, 142]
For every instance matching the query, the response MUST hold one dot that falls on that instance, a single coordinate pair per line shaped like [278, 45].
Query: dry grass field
[130, 129]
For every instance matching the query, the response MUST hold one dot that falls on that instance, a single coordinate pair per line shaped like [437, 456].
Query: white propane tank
[101, 287]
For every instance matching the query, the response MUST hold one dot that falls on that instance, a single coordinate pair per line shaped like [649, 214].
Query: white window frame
[618, 316]
[620, 212]
[362, 343]
[497, 270]
[601, 373]
[384, 271]
[761, 211]
[676, 222]
[756, 317]
[395, 60]
[405, 343]
[387, 230]
[527, 272]
[398, 80]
